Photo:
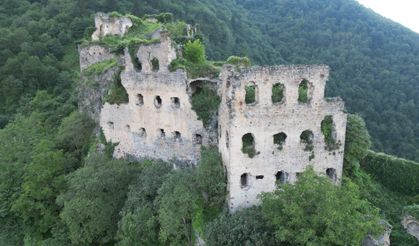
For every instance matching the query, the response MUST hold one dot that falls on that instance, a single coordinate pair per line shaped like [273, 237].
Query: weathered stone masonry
[158, 121]
[248, 177]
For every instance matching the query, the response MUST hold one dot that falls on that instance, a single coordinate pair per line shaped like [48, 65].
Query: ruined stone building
[273, 122]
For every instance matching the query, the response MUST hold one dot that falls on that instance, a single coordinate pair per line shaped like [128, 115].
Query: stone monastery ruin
[272, 122]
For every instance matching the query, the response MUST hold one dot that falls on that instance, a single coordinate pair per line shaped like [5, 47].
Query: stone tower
[272, 135]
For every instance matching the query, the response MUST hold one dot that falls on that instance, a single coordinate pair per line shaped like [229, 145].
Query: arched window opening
[157, 101]
[303, 92]
[155, 65]
[277, 93]
[197, 139]
[250, 97]
[142, 132]
[177, 136]
[279, 140]
[306, 139]
[175, 102]
[331, 173]
[329, 133]
[162, 133]
[140, 100]
[281, 177]
[137, 64]
[248, 145]
[244, 180]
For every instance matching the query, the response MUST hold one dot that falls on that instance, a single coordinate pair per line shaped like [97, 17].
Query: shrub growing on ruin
[250, 96]
[194, 51]
[306, 138]
[117, 93]
[329, 133]
[279, 139]
[100, 67]
[239, 61]
[205, 103]
[277, 93]
[248, 145]
[303, 92]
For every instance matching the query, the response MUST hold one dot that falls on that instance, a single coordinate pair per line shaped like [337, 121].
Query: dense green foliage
[398, 175]
[117, 93]
[357, 144]
[277, 93]
[245, 227]
[316, 212]
[303, 92]
[205, 102]
[239, 61]
[412, 210]
[250, 96]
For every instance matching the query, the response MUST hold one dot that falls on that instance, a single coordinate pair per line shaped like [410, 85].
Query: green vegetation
[328, 130]
[250, 96]
[195, 52]
[357, 144]
[205, 102]
[248, 145]
[244, 227]
[279, 140]
[51, 193]
[412, 210]
[117, 93]
[398, 175]
[101, 67]
[195, 61]
[306, 138]
[239, 61]
[315, 211]
[277, 93]
[303, 92]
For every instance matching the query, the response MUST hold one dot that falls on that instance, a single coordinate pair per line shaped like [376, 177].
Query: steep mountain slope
[374, 61]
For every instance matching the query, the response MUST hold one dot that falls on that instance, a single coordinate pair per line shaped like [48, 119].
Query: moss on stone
[100, 67]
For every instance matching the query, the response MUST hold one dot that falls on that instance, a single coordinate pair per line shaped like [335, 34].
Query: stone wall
[158, 122]
[263, 119]
[107, 25]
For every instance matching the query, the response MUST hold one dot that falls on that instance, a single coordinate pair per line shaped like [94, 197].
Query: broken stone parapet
[108, 25]
[381, 240]
[411, 224]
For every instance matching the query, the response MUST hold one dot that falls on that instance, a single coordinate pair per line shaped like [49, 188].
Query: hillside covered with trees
[55, 189]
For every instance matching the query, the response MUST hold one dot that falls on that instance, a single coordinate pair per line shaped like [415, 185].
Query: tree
[316, 212]
[211, 179]
[357, 143]
[74, 133]
[139, 222]
[177, 204]
[43, 182]
[245, 227]
[95, 195]
[195, 52]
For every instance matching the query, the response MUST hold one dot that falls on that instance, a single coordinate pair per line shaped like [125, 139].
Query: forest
[56, 189]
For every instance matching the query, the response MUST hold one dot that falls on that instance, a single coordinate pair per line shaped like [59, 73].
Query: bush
[205, 103]
[357, 143]
[195, 52]
[239, 61]
[117, 93]
[101, 67]
[245, 227]
[396, 174]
